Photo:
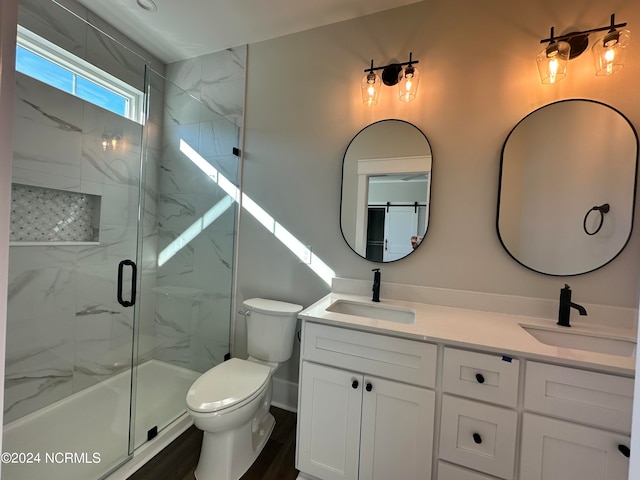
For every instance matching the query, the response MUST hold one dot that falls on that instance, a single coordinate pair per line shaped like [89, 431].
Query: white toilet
[231, 402]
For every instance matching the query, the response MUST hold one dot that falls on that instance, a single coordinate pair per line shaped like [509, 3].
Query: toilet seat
[230, 384]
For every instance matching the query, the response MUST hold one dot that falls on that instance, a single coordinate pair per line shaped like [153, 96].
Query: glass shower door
[70, 321]
[69, 339]
[189, 226]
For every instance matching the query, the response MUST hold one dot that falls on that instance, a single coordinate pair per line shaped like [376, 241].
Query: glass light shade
[370, 88]
[608, 52]
[552, 62]
[110, 142]
[408, 83]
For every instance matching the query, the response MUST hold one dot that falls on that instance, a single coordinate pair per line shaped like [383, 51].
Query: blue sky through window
[94, 93]
[49, 72]
[41, 69]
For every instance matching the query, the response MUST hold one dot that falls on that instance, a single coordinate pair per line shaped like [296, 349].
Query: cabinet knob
[354, 384]
[624, 450]
[479, 378]
[369, 387]
[477, 438]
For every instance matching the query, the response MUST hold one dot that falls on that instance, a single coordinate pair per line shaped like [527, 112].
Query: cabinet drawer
[478, 436]
[446, 471]
[402, 360]
[481, 376]
[588, 397]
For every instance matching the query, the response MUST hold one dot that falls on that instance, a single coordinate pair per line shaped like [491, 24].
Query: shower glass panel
[188, 225]
[97, 197]
[75, 209]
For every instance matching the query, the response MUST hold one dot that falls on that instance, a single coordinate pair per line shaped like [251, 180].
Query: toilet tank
[271, 328]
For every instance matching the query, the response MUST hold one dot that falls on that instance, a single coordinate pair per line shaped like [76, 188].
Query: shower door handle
[134, 272]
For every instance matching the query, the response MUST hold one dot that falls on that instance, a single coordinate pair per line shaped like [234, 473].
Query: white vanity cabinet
[353, 423]
[378, 407]
[589, 437]
[475, 434]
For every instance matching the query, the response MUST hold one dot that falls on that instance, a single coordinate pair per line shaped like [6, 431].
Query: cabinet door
[329, 422]
[397, 431]
[554, 449]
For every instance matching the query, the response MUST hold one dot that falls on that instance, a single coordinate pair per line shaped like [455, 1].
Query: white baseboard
[285, 395]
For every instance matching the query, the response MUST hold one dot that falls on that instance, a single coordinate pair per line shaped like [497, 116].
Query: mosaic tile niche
[48, 215]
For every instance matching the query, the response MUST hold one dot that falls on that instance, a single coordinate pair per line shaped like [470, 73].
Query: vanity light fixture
[406, 78]
[110, 142]
[408, 82]
[370, 87]
[552, 61]
[608, 51]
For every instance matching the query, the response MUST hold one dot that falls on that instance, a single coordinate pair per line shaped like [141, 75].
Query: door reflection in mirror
[386, 183]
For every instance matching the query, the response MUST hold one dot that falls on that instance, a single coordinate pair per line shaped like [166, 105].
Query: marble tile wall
[81, 34]
[194, 308]
[216, 79]
[65, 329]
[148, 234]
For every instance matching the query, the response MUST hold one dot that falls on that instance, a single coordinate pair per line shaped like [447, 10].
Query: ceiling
[186, 29]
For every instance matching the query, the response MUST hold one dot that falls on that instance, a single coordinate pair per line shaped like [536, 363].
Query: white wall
[8, 16]
[397, 191]
[479, 78]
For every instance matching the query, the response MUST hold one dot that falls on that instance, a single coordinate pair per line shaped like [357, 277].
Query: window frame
[81, 68]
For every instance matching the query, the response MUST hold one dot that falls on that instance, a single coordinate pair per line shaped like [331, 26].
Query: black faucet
[376, 285]
[565, 307]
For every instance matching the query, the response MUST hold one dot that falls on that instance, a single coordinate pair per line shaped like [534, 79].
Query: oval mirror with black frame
[386, 184]
[567, 187]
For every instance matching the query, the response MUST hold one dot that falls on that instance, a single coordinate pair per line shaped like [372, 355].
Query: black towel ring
[602, 209]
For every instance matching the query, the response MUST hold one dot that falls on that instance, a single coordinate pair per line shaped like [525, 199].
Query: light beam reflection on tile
[296, 247]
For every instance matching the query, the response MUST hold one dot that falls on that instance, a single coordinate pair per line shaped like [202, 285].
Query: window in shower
[45, 61]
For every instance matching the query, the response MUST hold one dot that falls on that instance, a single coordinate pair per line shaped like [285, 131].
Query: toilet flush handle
[245, 313]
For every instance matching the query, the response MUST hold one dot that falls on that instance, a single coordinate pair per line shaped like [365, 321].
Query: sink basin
[582, 341]
[371, 310]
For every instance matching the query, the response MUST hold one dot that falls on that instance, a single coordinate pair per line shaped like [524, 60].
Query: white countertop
[496, 332]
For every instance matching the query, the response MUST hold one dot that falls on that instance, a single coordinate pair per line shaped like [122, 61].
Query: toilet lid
[272, 307]
[226, 384]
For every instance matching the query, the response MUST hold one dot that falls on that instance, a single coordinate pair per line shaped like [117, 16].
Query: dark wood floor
[276, 462]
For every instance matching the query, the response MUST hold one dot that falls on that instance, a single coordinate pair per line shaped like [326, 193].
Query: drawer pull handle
[369, 387]
[624, 450]
[477, 438]
[479, 378]
[354, 385]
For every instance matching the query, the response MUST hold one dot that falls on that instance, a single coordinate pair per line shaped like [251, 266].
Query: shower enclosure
[121, 256]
